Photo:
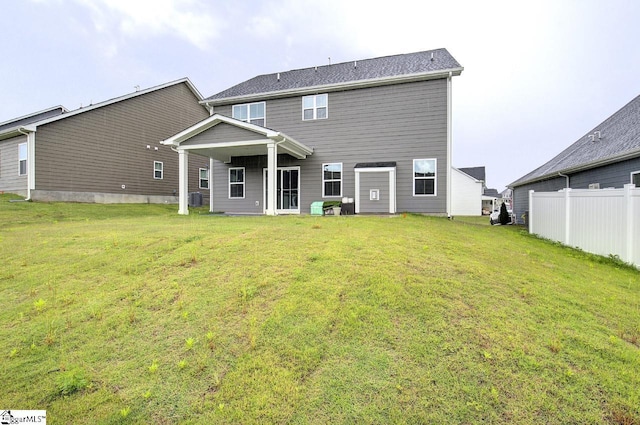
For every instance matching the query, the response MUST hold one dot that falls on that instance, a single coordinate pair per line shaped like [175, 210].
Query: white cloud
[186, 19]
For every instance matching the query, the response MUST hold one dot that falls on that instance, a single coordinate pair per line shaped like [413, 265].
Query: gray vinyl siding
[375, 180]
[397, 123]
[102, 149]
[10, 181]
[223, 133]
[613, 175]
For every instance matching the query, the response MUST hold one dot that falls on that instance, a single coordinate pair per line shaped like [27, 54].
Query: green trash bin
[316, 208]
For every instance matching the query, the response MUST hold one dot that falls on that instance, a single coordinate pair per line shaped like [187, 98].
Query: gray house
[107, 152]
[375, 130]
[608, 156]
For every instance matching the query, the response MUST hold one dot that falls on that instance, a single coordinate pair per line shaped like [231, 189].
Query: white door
[288, 187]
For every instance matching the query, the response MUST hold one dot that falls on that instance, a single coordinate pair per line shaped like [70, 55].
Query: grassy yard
[133, 314]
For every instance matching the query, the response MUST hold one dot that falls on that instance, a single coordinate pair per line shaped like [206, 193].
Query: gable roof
[31, 125]
[360, 73]
[477, 173]
[615, 139]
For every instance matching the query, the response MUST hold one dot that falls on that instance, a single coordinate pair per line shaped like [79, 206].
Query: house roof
[467, 175]
[360, 73]
[615, 139]
[477, 173]
[11, 128]
[31, 125]
[491, 192]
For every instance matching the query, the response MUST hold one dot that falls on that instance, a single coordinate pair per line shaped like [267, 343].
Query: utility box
[316, 208]
[195, 199]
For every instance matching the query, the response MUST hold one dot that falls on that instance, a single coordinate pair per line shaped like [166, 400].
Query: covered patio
[220, 138]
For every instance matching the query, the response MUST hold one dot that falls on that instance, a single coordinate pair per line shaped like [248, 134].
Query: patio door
[288, 190]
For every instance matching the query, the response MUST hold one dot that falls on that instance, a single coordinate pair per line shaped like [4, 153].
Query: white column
[210, 185]
[628, 199]
[183, 182]
[567, 216]
[272, 178]
[529, 221]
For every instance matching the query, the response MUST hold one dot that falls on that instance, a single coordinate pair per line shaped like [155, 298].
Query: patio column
[183, 182]
[272, 169]
[210, 185]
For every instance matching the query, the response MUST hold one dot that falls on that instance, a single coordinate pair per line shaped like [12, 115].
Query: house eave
[396, 79]
[582, 167]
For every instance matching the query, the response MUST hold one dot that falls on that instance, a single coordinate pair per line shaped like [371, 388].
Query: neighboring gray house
[607, 156]
[107, 152]
[376, 130]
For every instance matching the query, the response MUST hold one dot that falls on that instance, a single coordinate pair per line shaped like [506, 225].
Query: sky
[537, 75]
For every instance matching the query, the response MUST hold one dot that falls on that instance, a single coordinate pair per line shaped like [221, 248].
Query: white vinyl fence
[600, 221]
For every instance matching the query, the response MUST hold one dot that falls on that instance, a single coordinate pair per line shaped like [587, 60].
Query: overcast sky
[537, 75]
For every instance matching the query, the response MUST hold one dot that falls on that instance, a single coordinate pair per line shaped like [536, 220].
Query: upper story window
[424, 177]
[332, 179]
[635, 178]
[315, 107]
[158, 170]
[22, 159]
[203, 178]
[236, 182]
[253, 113]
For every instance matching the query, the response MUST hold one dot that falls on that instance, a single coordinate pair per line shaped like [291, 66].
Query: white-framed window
[158, 168]
[332, 180]
[315, 107]
[253, 113]
[203, 178]
[22, 159]
[236, 183]
[635, 178]
[424, 177]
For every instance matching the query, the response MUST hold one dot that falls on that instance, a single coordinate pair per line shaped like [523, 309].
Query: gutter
[567, 177]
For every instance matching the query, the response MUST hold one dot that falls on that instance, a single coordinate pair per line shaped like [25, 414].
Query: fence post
[529, 217]
[629, 211]
[567, 215]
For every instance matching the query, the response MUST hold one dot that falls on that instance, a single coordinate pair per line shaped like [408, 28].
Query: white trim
[248, 105]
[341, 179]
[243, 183]
[183, 182]
[33, 114]
[26, 159]
[633, 173]
[264, 190]
[200, 178]
[392, 186]
[396, 79]
[435, 178]
[161, 170]
[449, 149]
[210, 184]
[315, 107]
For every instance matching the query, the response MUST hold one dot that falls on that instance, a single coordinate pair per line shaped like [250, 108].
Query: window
[315, 107]
[22, 159]
[332, 179]
[424, 177]
[635, 178]
[204, 178]
[236, 183]
[157, 170]
[253, 113]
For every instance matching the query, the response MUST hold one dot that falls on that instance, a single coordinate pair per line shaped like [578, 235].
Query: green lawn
[133, 314]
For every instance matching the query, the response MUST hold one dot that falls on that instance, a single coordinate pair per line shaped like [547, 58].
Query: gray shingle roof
[31, 118]
[619, 136]
[344, 73]
[477, 173]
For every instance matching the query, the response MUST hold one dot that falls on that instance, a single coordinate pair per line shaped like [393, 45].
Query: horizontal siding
[102, 149]
[390, 123]
[10, 181]
[374, 180]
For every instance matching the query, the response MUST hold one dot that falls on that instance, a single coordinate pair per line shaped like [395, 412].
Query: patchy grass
[133, 314]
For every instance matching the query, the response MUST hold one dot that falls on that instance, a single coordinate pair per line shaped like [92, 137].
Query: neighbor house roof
[477, 173]
[617, 138]
[359, 73]
[31, 124]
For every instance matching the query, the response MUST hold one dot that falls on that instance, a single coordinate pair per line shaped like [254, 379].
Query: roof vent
[278, 76]
[597, 134]
[355, 64]
[592, 138]
[329, 60]
[431, 56]
[316, 69]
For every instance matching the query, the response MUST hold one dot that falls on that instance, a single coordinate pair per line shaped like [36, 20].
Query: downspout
[449, 144]
[31, 159]
[567, 177]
